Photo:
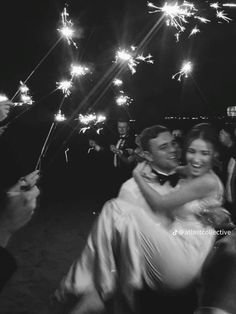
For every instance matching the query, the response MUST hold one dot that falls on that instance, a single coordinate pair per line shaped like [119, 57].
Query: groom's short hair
[149, 133]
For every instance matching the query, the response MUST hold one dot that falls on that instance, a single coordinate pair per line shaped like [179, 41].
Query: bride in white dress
[160, 240]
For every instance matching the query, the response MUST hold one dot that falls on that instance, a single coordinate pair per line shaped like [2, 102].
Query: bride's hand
[142, 170]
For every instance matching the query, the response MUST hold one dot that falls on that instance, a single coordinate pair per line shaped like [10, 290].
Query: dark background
[29, 29]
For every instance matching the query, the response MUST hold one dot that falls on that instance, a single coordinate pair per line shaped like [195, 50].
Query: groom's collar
[162, 172]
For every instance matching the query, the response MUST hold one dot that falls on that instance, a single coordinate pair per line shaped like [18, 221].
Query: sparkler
[67, 31]
[185, 70]
[202, 19]
[176, 15]
[65, 87]
[179, 15]
[131, 58]
[194, 31]
[91, 120]
[222, 15]
[59, 117]
[117, 82]
[123, 100]
[25, 96]
[78, 70]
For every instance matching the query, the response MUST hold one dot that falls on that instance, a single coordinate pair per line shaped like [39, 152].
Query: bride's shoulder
[209, 181]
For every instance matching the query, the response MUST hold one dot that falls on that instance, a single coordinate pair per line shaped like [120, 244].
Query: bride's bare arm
[195, 189]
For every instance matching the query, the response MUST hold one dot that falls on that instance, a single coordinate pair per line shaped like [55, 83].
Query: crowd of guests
[169, 226]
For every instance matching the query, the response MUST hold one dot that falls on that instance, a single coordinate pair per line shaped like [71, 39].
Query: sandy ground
[45, 249]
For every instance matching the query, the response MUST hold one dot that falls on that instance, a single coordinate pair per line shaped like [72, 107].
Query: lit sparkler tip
[91, 120]
[66, 30]
[87, 119]
[202, 19]
[65, 87]
[123, 55]
[23, 88]
[117, 82]
[215, 5]
[222, 15]
[26, 99]
[185, 70]
[100, 119]
[59, 117]
[123, 100]
[78, 70]
[194, 31]
[131, 58]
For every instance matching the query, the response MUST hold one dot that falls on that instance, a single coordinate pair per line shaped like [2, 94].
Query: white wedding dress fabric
[130, 246]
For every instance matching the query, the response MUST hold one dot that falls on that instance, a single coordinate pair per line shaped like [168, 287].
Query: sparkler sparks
[117, 82]
[65, 87]
[25, 97]
[123, 100]
[185, 70]
[222, 15]
[67, 31]
[176, 15]
[87, 119]
[194, 31]
[179, 15]
[78, 70]
[131, 58]
[59, 117]
[91, 120]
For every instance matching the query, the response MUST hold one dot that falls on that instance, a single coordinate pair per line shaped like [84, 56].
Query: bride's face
[199, 157]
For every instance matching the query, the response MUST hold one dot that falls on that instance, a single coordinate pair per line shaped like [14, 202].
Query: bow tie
[162, 178]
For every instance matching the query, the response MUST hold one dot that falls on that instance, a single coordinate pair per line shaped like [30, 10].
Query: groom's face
[162, 152]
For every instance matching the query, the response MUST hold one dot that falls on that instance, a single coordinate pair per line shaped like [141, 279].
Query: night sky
[29, 30]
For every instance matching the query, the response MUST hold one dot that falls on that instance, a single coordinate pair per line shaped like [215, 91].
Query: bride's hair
[205, 132]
